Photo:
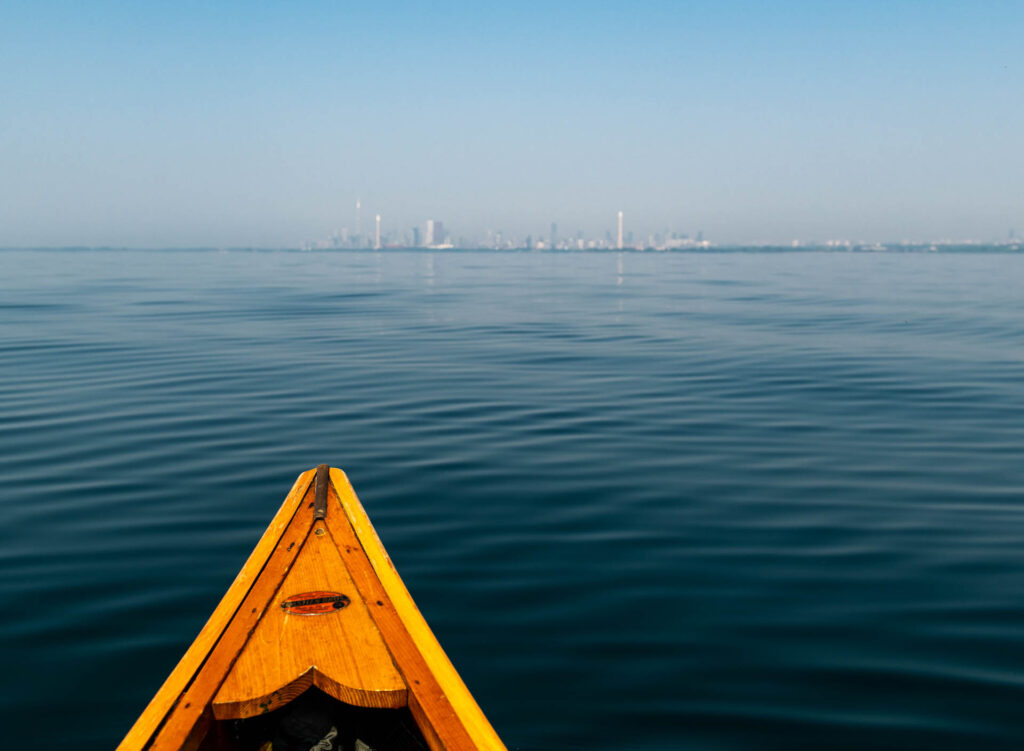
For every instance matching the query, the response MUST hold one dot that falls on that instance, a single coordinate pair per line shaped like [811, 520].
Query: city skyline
[434, 233]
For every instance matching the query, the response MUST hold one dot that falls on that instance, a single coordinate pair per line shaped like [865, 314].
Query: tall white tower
[620, 230]
[376, 242]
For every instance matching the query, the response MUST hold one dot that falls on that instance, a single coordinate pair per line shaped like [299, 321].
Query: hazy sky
[259, 123]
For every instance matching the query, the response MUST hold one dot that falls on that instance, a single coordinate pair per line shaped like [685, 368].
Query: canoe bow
[318, 603]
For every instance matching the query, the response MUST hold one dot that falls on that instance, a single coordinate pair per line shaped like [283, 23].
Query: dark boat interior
[317, 722]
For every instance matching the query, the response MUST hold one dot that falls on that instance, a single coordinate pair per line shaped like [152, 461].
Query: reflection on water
[722, 501]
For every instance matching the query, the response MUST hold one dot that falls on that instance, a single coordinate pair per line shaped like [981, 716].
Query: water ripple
[677, 501]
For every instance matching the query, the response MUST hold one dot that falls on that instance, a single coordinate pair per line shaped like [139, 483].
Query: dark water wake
[746, 501]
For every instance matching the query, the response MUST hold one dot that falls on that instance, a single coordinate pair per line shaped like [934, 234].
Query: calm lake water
[701, 501]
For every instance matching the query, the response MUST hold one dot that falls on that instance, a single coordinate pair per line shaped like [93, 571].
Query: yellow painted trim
[461, 700]
[180, 678]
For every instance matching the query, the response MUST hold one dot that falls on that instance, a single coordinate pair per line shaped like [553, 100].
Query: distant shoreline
[1003, 247]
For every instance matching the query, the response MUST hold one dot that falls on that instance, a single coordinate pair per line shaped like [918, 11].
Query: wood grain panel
[342, 650]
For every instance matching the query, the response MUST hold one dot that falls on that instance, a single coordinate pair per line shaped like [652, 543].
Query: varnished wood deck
[255, 655]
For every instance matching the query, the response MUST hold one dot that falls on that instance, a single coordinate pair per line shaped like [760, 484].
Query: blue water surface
[646, 501]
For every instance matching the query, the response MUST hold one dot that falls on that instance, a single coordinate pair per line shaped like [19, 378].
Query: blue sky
[189, 123]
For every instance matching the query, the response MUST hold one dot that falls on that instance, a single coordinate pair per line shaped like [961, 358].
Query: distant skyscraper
[376, 242]
[554, 235]
[434, 234]
[415, 237]
[359, 223]
[620, 230]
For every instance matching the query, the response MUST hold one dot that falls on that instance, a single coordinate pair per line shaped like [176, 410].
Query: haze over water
[729, 501]
[230, 124]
